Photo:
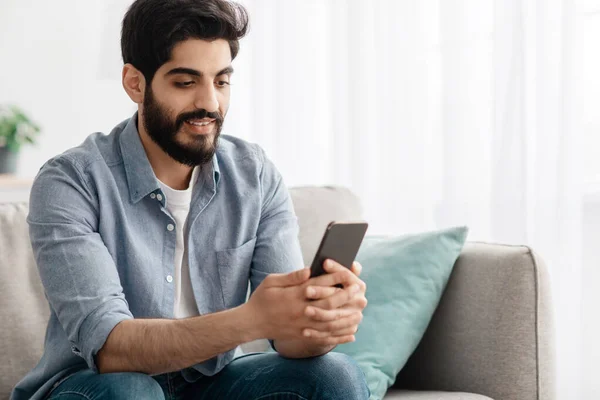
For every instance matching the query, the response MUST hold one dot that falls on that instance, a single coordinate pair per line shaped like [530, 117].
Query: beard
[163, 131]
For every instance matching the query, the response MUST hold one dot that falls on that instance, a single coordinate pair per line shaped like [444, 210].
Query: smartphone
[340, 243]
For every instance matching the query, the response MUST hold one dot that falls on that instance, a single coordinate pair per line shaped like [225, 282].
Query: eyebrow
[189, 71]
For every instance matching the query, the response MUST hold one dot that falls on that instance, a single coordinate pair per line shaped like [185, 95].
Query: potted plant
[16, 129]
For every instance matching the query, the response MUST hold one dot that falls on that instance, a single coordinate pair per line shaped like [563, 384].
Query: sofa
[491, 337]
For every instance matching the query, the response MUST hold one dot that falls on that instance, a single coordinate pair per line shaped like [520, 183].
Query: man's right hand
[278, 307]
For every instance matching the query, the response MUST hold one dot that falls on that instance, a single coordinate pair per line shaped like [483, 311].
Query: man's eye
[222, 83]
[184, 84]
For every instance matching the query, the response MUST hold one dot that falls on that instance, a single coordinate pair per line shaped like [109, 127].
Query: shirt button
[170, 227]
[159, 197]
[152, 196]
[169, 278]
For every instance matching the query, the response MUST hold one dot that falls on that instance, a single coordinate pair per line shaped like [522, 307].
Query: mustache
[199, 114]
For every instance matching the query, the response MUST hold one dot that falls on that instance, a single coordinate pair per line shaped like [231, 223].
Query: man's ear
[134, 83]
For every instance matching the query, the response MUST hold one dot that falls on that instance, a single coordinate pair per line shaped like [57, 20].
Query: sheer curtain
[435, 113]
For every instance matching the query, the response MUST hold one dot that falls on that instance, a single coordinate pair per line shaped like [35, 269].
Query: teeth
[199, 123]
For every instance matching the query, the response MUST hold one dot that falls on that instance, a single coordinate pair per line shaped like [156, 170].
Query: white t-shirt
[178, 204]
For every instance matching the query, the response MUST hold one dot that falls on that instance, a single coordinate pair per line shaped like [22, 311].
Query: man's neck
[170, 172]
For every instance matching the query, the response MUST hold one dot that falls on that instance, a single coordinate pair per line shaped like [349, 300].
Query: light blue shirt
[104, 244]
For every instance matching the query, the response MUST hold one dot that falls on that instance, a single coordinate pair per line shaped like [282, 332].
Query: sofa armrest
[492, 333]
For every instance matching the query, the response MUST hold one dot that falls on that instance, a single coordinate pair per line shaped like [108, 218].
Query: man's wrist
[248, 323]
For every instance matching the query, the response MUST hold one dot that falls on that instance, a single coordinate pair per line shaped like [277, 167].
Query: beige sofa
[491, 337]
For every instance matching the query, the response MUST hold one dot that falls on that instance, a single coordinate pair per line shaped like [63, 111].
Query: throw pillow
[405, 279]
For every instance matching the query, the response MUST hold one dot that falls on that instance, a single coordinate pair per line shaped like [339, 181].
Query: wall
[58, 62]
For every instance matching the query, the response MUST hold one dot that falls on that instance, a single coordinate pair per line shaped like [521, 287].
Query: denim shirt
[104, 244]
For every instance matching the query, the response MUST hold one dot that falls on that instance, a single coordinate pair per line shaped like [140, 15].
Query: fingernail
[310, 292]
[354, 288]
[306, 333]
[310, 311]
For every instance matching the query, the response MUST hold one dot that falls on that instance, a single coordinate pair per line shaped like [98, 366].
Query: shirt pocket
[234, 272]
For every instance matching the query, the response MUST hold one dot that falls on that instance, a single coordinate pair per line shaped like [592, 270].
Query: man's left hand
[334, 310]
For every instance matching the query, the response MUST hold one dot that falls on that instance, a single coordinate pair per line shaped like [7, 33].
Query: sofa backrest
[316, 207]
[24, 310]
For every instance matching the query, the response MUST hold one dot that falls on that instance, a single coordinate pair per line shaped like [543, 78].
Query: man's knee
[87, 384]
[132, 385]
[345, 379]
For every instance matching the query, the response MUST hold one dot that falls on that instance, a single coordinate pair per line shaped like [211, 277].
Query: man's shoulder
[233, 149]
[248, 164]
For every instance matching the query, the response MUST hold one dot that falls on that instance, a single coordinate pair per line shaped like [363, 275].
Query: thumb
[290, 279]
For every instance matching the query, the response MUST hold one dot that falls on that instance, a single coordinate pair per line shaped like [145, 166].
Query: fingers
[351, 330]
[319, 292]
[356, 268]
[358, 303]
[331, 266]
[341, 275]
[318, 314]
[338, 299]
[333, 326]
[289, 279]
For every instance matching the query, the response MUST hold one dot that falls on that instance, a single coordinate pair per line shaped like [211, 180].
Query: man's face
[187, 100]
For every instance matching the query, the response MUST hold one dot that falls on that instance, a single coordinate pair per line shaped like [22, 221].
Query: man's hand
[279, 307]
[336, 312]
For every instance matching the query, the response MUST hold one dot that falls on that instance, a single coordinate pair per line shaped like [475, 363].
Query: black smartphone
[340, 243]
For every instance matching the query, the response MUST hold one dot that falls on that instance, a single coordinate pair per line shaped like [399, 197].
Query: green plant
[16, 129]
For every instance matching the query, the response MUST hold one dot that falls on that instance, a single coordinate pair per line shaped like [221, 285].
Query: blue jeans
[256, 376]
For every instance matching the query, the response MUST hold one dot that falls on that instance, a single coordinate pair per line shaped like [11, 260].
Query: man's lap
[264, 376]
[88, 385]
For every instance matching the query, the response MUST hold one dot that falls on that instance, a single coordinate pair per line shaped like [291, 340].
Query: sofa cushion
[24, 311]
[414, 395]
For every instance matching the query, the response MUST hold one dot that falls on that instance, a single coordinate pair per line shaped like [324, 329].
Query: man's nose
[206, 98]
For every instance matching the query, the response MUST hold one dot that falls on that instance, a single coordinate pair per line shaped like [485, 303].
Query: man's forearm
[156, 346]
[300, 348]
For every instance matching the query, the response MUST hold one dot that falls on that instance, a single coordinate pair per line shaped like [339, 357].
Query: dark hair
[152, 28]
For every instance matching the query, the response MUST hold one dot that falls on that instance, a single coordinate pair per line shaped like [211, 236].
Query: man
[146, 238]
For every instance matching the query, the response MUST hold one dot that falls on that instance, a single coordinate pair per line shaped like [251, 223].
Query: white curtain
[435, 112]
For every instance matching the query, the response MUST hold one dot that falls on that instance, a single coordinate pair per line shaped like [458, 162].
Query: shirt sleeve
[78, 273]
[277, 248]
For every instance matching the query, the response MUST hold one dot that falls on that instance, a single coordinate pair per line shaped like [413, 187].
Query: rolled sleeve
[97, 326]
[78, 273]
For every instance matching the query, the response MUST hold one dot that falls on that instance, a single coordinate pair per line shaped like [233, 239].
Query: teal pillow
[405, 279]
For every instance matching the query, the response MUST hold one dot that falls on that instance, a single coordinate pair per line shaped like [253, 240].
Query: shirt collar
[140, 175]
